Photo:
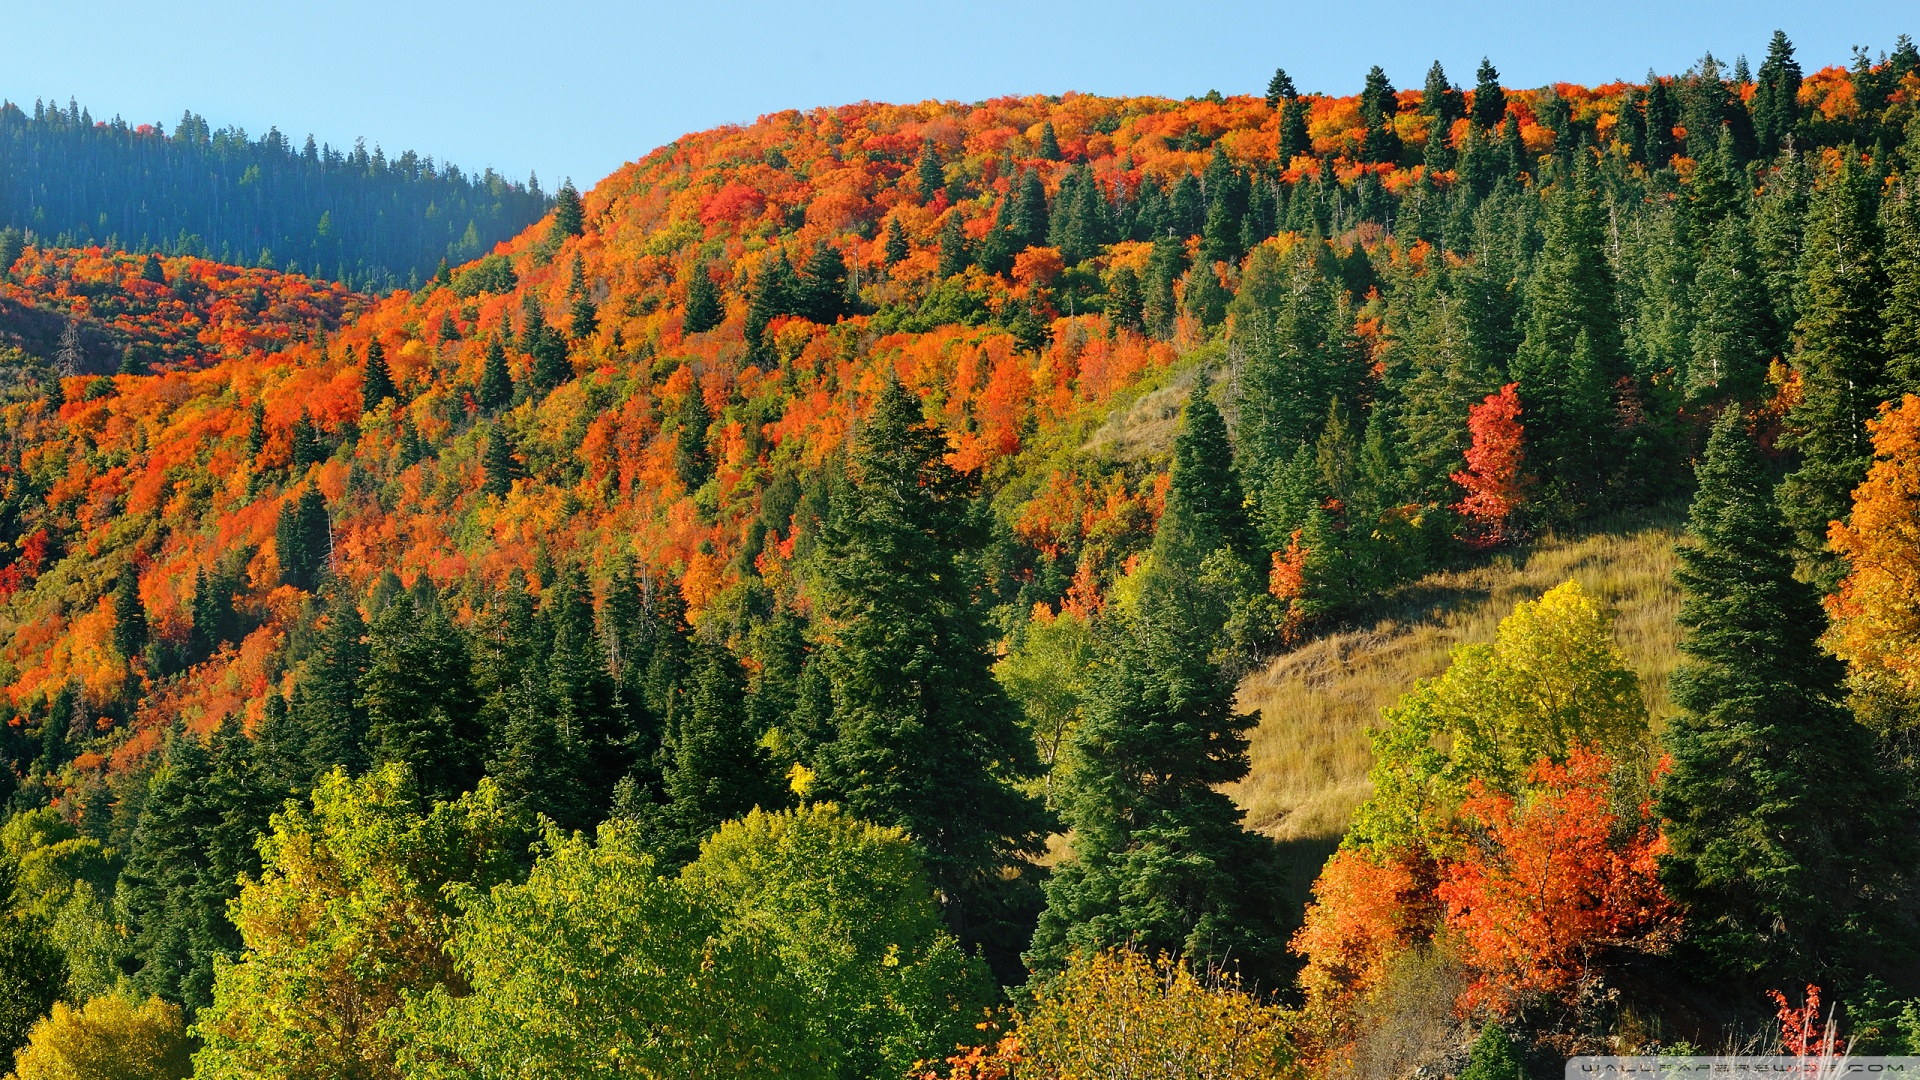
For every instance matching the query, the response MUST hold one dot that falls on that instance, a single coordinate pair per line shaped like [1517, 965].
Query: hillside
[818, 517]
[361, 218]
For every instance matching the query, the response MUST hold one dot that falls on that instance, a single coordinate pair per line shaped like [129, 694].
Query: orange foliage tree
[1876, 613]
[1550, 879]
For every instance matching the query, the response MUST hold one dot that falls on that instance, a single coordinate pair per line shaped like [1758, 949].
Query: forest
[358, 218]
[788, 609]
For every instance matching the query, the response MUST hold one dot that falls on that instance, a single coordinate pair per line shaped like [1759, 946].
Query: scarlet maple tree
[1549, 881]
[1494, 479]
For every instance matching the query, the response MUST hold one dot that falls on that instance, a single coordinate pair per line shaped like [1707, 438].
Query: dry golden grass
[1310, 753]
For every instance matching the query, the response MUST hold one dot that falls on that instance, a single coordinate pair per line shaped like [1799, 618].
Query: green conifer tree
[544, 345]
[1161, 860]
[1049, 148]
[704, 311]
[131, 363]
[1900, 258]
[1280, 89]
[775, 293]
[1293, 139]
[896, 248]
[1839, 356]
[922, 736]
[129, 616]
[1378, 105]
[327, 716]
[496, 382]
[580, 692]
[499, 468]
[822, 296]
[306, 447]
[419, 700]
[569, 216]
[376, 380]
[691, 461]
[1784, 829]
[953, 247]
[302, 539]
[927, 171]
[714, 768]
[1489, 100]
[1029, 224]
[1776, 96]
[1731, 331]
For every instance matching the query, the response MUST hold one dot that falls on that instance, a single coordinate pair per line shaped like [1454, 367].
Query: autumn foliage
[1494, 479]
[1876, 613]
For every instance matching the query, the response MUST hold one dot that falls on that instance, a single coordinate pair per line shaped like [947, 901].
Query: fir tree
[1163, 269]
[953, 247]
[449, 331]
[691, 461]
[302, 539]
[419, 701]
[714, 769]
[1280, 89]
[583, 317]
[213, 617]
[1776, 96]
[496, 382]
[1838, 355]
[1049, 148]
[775, 293]
[895, 250]
[1489, 100]
[1293, 139]
[331, 725]
[928, 172]
[543, 344]
[305, 444]
[1187, 209]
[1161, 860]
[922, 736]
[1731, 332]
[257, 428]
[499, 468]
[150, 270]
[376, 381]
[1226, 209]
[1571, 356]
[1029, 224]
[822, 296]
[1900, 257]
[1441, 101]
[1378, 105]
[1662, 113]
[129, 616]
[1783, 827]
[131, 363]
[569, 217]
[703, 302]
[580, 692]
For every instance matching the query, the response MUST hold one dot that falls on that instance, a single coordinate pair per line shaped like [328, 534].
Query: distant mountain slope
[347, 215]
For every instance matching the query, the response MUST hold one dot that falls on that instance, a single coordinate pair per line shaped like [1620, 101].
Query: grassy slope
[1310, 754]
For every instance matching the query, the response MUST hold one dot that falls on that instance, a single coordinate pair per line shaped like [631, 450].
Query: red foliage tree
[1550, 880]
[1494, 479]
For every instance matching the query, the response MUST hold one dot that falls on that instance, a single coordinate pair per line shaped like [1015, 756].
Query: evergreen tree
[580, 692]
[1776, 96]
[704, 311]
[257, 428]
[1489, 100]
[1662, 113]
[1280, 89]
[1029, 224]
[1491, 1057]
[569, 217]
[1900, 258]
[927, 170]
[150, 270]
[535, 761]
[775, 293]
[691, 461]
[1571, 356]
[1784, 829]
[1731, 334]
[1187, 209]
[376, 381]
[129, 616]
[922, 736]
[896, 248]
[496, 382]
[1293, 139]
[1161, 860]
[1838, 355]
[543, 344]
[1441, 101]
[1378, 105]
[302, 539]
[327, 717]
[714, 769]
[583, 317]
[211, 606]
[304, 442]
[953, 247]
[1049, 148]
[131, 363]
[1163, 269]
[822, 295]
[1226, 209]
[499, 469]
[419, 700]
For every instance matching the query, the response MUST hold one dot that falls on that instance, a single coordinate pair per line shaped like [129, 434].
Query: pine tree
[1029, 224]
[569, 217]
[928, 172]
[1378, 105]
[496, 382]
[1776, 96]
[896, 249]
[1731, 334]
[1441, 101]
[376, 381]
[449, 331]
[703, 302]
[953, 247]
[580, 692]
[1900, 258]
[714, 768]
[302, 539]
[1783, 827]
[1571, 356]
[1280, 89]
[1662, 113]
[923, 737]
[1226, 209]
[499, 468]
[775, 293]
[583, 318]
[1161, 859]
[543, 344]
[131, 363]
[822, 296]
[419, 701]
[1049, 148]
[691, 461]
[256, 428]
[212, 609]
[129, 616]
[1187, 210]
[150, 270]
[1838, 356]
[331, 725]
[1163, 269]
[1293, 139]
[1489, 100]
[305, 444]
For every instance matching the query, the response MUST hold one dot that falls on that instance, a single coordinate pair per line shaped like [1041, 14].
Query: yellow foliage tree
[1118, 1013]
[110, 1038]
[1876, 613]
[1552, 679]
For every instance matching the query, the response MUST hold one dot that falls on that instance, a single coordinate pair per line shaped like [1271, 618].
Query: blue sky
[575, 90]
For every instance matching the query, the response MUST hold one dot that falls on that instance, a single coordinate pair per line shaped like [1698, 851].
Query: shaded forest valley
[1424, 582]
